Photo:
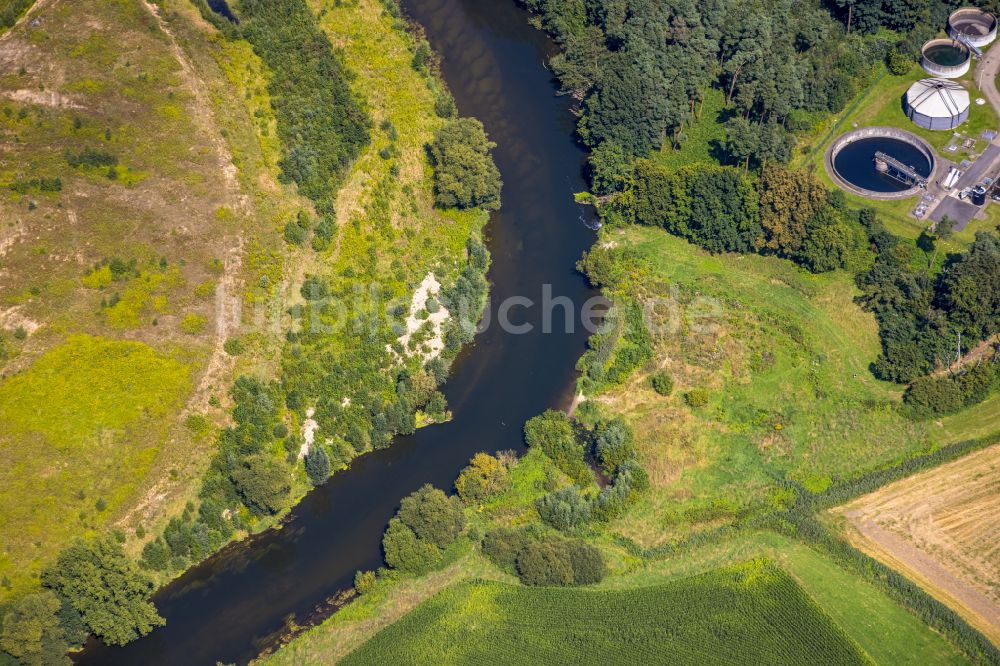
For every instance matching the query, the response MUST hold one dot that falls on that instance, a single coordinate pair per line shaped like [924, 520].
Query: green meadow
[81, 427]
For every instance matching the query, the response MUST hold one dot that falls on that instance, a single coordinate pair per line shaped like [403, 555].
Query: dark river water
[233, 605]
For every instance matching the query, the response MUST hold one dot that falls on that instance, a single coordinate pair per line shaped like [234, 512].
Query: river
[234, 604]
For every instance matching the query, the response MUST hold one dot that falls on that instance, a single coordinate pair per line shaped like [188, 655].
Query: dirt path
[941, 528]
[228, 313]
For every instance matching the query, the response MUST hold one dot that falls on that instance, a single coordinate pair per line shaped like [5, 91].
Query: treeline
[642, 67]
[921, 314]
[322, 125]
[787, 213]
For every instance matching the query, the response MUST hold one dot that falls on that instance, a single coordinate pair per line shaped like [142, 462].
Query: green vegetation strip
[751, 613]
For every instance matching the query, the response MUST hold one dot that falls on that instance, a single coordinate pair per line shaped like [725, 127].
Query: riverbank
[219, 610]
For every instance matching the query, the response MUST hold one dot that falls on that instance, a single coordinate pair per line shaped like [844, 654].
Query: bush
[898, 63]
[317, 464]
[464, 173]
[565, 509]
[263, 483]
[294, 234]
[364, 582]
[553, 434]
[697, 397]
[314, 288]
[662, 382]
[587, 563]
[544, 563]
[433, 516]
[192, 324]
[614, 444]
[503, 544]
[233, 346]
[406, 552]
[427, 522]
[485, 477]
[560, 562]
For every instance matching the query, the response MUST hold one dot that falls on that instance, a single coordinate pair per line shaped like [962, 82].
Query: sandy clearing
[942, 529]
[435, 345]
[12, 318]
[309, 427]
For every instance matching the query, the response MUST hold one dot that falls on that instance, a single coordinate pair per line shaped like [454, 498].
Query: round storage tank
[937, 104]
[979, 195]
[976, 26]
[945, 58]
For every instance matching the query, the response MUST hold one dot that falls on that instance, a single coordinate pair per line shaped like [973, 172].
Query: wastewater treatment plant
[927, 148]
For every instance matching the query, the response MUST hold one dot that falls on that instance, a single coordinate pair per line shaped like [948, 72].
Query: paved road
[989, 162]
[986, 79]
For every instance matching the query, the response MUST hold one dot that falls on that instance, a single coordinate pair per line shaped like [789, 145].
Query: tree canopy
[106, 588]
[464, 173]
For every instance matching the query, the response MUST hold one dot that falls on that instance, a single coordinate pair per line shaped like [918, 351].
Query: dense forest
[641, 68]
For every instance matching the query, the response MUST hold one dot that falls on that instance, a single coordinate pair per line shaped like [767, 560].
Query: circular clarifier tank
[852, 163]
[945, 58]
[976, 26]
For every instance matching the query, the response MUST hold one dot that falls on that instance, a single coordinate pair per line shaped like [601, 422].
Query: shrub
[364, 582]
[565, 509]
[233, 346]
[697, 397]
[317, 464]
[433, 516]
[586, 561]
[485, 477]
[544, 563]
[503, 544]
[263, 483]
[193, 324]
[294, 234]
[464, 173]
[662, 382]
[406, 552]
[898, 63]
[614, 444]
[314, 288]
[553, 434]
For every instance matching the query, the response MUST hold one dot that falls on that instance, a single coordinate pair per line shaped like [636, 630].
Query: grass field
[81, 427]
[784, 355]
[941, 528]
[753, 613]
